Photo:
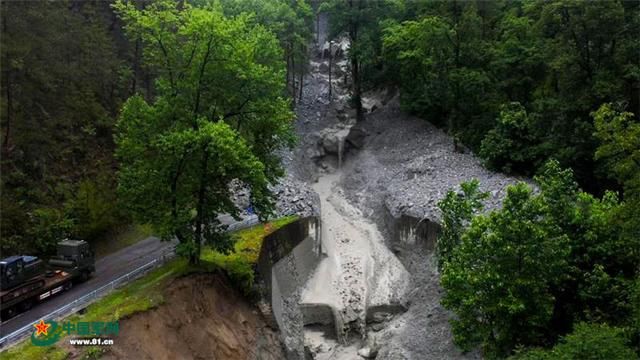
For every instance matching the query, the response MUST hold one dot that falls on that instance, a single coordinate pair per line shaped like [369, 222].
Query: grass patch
[240, 262]
[141, 295]
[28, 351]
[120, 239]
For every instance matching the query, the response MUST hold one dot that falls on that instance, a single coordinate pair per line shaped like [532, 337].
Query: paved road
[108, 269]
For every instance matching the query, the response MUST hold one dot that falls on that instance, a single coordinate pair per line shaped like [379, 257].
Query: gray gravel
[407, 166]
[295, 197]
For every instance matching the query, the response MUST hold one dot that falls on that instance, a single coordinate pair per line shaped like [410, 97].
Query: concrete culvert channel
[356, 276]
[329, 279]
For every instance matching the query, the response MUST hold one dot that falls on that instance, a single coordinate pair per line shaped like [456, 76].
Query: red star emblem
[41, 328]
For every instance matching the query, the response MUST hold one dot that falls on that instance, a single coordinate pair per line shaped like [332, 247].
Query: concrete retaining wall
[287, 259]
[409, 231]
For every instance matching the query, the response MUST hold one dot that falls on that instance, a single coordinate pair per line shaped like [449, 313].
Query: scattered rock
[295, 198]
[367, 353]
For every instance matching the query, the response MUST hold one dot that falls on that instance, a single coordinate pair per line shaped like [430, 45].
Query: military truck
[27, 280]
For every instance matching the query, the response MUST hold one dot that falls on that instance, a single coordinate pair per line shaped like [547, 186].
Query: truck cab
[74, 256]
[16, 270]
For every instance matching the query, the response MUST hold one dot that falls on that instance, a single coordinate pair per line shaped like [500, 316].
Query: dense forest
[144, 111]
[68, 68]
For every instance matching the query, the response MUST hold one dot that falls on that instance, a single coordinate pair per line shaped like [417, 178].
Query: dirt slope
[203, 317]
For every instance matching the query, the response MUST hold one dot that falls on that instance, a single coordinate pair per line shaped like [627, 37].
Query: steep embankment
[202, 317]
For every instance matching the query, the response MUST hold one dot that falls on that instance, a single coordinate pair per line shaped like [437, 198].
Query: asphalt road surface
[108, 269]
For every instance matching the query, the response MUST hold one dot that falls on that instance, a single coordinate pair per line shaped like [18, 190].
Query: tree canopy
[219, 114]
[526, 273]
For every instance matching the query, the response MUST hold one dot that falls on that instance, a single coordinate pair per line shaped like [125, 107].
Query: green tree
[219, 115]
[602, 262]
[421, 49]
[292, 22]
[446, 49]
[511, 144]
[457, 211]
[619, 135]
[581, 232]
[499, 279]
[588, 342]
[361, 21]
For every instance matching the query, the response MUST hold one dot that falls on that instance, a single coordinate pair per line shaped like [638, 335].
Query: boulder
[333, 139]
[356, 137]
[367, 353]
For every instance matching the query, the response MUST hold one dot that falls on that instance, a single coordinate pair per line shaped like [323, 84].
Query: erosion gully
[358, 277]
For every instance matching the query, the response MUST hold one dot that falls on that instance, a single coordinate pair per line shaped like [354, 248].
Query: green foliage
[421, 48]
[560, 60]
[291, 22]
[49, 225]
[444, 48]
[522, 275]
[457, 210]
[619, 135]
[588, 342]
[219, 116]
[60, 91]
[499, 279]
[510, 145]
[603, 260]
[240, 263]
[95, 208]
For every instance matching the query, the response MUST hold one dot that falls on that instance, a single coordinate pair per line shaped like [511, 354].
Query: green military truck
[27, 280]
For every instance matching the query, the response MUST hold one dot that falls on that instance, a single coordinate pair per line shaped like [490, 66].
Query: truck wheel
[68, 285]
[85, 276]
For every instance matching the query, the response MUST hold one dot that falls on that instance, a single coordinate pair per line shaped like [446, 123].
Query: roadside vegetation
[240, 262]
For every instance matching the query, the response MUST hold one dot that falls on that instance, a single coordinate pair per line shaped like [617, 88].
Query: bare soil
[203, 317]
